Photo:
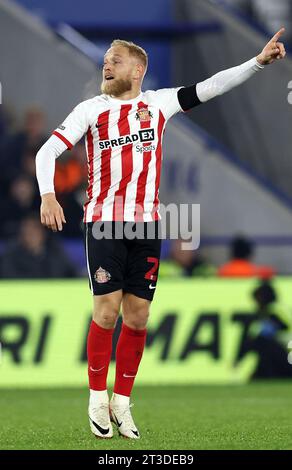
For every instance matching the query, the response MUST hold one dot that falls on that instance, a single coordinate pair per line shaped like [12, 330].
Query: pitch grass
[254, 416]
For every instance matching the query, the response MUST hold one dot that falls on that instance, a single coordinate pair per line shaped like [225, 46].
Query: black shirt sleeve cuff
[188, 98]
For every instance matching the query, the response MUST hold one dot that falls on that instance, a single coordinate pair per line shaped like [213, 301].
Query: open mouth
[109, 77]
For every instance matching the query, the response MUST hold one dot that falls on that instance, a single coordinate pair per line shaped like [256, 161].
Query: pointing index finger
[278, 34]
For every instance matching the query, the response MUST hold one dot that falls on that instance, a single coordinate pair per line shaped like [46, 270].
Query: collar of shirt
[116, 100]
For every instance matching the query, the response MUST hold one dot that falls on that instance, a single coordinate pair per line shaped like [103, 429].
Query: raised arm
[273, 50]
[227, 79]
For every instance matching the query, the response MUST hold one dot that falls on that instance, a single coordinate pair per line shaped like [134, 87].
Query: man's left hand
[274, 50]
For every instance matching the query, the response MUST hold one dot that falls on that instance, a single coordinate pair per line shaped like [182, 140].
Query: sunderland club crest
[101, 275]
[143, 114]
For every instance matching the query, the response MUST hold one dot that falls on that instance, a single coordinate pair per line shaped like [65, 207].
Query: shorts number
[151, 275]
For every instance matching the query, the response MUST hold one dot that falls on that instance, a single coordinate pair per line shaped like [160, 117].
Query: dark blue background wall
[101, 11]
[117, 19]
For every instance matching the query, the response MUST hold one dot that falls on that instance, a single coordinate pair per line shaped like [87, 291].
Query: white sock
[98, 396]
[120, 399]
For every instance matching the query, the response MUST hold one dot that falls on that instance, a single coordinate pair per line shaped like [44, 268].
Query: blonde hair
[133, 49]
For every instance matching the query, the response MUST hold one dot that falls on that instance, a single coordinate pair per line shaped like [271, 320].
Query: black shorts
[122, 263]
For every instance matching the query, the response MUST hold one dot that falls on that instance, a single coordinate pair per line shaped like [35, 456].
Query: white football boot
[99, 420]
[121, 416]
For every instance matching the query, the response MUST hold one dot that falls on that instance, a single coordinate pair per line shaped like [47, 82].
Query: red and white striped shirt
[124, 152]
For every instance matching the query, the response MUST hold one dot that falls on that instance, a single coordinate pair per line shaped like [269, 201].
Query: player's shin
[129, 353]
[99, 350]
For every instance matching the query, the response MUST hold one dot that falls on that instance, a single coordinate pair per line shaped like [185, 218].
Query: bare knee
[106, 310]
[135, 312]
[106, 318]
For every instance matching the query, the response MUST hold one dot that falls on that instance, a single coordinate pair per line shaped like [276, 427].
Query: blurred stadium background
[222, 314]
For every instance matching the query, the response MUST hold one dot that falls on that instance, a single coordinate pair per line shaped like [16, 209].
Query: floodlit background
[232, 155]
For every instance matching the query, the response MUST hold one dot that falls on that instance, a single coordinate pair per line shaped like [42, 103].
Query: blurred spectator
[23, 198]
[186, 263]
[71, 172]
[268, 334]
[70, 185]
[19, 193]
[72, 204]
[28, 164]
[14, 147]
[240, 264]
[272, 318]
[34, 254]
[4, 121]
[33, 134]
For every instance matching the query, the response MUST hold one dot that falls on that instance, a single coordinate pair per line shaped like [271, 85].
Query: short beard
[116, 87]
